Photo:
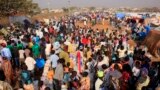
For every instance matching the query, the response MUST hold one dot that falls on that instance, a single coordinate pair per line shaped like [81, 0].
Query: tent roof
[120, 15]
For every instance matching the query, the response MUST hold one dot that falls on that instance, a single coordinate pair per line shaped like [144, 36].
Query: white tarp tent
[136, 15]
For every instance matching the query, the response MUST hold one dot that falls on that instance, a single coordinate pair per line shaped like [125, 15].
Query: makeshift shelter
[134, 15]
[148, 28]
[20, 19]
[120, 15]
[152, 41]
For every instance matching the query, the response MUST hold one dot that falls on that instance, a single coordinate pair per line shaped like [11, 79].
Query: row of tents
[152, 34]
[154, 20]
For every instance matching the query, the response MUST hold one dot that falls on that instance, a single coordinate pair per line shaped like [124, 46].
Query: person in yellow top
[89, 53]
[71, 48]
[71, 64]
[30, 44]
[63, 54]
[72, 57]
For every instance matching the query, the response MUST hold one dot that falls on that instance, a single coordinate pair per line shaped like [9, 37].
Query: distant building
[45, 11]
[56, 10]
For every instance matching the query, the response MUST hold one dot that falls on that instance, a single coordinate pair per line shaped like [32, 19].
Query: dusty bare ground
[79, 23]
[47, 15]
[97, 26]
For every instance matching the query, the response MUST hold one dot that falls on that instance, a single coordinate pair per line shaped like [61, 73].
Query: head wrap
[144, 71]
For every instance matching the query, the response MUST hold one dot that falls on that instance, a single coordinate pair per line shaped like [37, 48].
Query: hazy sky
[98, 3]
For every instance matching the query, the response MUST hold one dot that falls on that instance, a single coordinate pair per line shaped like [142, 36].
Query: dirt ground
[47, 15]
[97, 26]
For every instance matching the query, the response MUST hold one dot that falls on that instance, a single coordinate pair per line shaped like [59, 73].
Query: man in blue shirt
[5, 52]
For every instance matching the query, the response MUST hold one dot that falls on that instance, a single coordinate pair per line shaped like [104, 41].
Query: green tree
[92, 8]
[11, 7]
[72, 8]
[65, 9]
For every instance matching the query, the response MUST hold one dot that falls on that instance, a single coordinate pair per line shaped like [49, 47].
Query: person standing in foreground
[99, 81]
[58, 77]
[30, 62]
[7, 68]
[85, 82]
[36, 50]
[54, 58]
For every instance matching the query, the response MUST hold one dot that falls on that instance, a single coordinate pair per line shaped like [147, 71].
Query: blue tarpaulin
[142, 35]
[120, 15]
[148, 28]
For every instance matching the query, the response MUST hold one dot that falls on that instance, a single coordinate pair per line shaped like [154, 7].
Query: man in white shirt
[102, 60]
[121, 52]
[58, 77]
[39, 33]
[56, 47]
[136, 69]
[106, 59]
[54, 58]
[30, 62]
[46, 29]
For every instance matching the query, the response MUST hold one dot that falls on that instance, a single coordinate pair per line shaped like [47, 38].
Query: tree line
[13, 7]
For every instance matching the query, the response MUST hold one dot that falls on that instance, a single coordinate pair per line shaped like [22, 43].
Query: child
[74, 83]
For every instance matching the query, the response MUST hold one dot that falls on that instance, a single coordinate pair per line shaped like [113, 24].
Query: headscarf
[144, 71]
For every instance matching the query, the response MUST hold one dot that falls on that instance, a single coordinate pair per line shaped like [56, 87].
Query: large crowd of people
[63, 56]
